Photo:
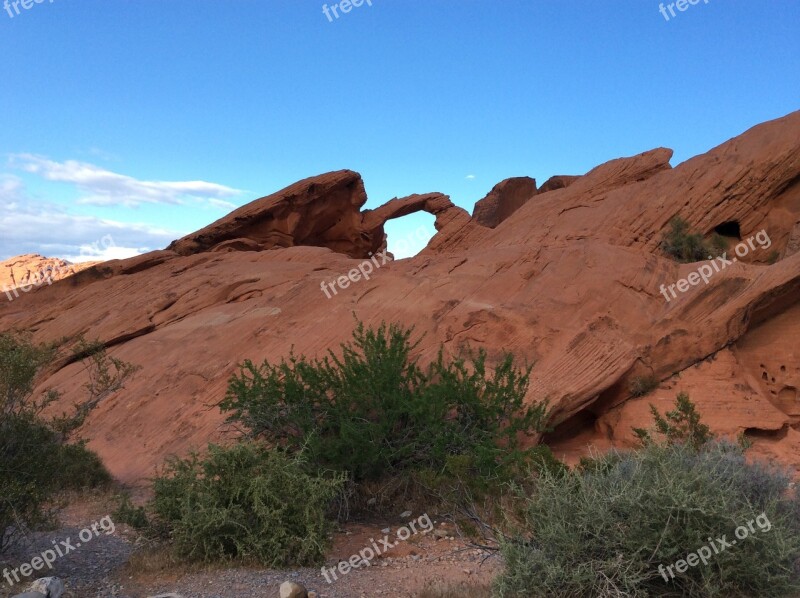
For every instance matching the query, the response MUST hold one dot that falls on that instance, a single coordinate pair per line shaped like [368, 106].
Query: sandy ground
[102, 567]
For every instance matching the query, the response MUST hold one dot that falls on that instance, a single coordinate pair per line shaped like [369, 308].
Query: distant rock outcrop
[34, 269]
[503, 200]
[569, 278]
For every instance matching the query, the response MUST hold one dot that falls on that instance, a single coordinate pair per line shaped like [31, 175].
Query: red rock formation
[32, 269]
[570, 280]
[503, 200]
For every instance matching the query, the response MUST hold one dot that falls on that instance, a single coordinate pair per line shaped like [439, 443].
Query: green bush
[131, 515]
[374, 412]
[604, 530]
[246, 502]
[36, 460]
[685, 246]
[680, 426]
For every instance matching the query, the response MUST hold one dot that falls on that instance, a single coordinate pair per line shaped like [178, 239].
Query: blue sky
[145, 120]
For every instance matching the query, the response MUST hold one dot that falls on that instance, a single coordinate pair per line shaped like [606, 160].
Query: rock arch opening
[408, 235]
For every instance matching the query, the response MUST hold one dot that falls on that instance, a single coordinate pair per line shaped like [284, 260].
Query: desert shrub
[682, 425]
[685, 246]
[604, 531]
[641, 386]
[463, 590]
[29, 452]
[37, 462]
[129, 514]
[373, 412]
[81, 468]
[246, 502]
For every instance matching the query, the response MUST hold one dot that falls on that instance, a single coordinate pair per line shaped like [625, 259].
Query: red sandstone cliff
[567, 275]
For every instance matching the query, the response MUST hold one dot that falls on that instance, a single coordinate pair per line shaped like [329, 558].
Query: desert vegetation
[39, 458]
[683, 245]
[611, 526]
[317, 435]
[320, 435]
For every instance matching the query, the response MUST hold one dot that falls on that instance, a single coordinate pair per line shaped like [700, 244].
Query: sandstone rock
[503, 200]
[557, 182]
[570, 280]
[35, 270]
[321, 211]
[290, 589]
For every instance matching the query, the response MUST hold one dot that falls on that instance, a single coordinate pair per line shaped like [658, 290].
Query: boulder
[45, 587]
[290, 589]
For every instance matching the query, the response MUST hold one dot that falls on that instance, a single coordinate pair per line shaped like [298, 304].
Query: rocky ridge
[568, 276]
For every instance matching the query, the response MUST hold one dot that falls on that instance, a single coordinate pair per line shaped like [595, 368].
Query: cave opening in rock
[729, 229]
[408, 235]
[577, 424]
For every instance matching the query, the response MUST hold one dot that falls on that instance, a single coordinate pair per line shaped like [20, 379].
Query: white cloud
[102, 187]
[469, 177]
[28, 226]
[222, 204]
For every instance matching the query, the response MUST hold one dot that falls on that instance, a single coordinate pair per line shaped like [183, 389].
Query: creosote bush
[685, 246]
[374, 412]
[245, 502]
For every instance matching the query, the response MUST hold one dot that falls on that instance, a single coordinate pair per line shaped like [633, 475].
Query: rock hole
[572, 427]
[408, 235]
[729, 229]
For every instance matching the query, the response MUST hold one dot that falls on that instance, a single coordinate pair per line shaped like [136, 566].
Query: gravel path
[101, 566]
[85, 565]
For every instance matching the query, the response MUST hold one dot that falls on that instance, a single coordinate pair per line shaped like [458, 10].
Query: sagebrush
[603, 531]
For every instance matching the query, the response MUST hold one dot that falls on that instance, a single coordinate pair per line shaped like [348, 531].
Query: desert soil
[110, 565]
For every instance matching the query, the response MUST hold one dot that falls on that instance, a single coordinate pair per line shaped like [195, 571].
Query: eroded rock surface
[570, 279]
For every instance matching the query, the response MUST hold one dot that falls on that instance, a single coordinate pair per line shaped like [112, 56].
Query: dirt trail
[102, 567]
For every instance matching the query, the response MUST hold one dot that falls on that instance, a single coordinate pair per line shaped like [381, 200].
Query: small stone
[386, 530]
[405, 514]
[372, 501]
[289, 589]
[30, 595]
[52, 587]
